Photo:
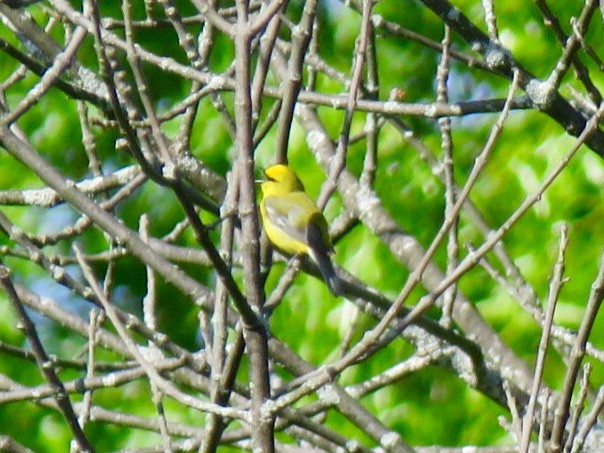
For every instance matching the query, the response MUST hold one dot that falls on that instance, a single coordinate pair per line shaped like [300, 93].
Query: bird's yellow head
[280, 179]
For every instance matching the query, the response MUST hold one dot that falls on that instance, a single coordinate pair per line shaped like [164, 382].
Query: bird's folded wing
[291, 213]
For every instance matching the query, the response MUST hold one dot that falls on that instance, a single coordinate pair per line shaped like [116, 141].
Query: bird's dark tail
[328, 272]
[320, 249]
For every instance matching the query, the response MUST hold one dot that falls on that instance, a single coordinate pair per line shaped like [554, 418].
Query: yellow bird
[294, 223]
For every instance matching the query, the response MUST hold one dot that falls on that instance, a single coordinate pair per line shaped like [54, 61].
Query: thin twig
[578, 351]
[556, 283]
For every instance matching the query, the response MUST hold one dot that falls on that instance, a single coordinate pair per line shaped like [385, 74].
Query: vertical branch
[556, 284]
[141, 85]
[444, 123]
[255, 335]
[96, 318]
[543, 425]
[490, 19]
[267, 44]
[217, 349]
[589, 422]
[301, 38]
[579, 406]
[197, 59]
[150, 298]
[149, 308]
[94, 163]
[371, 124]
[576, 357]
[337, 164]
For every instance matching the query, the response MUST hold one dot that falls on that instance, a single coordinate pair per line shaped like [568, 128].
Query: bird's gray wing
[287, 213]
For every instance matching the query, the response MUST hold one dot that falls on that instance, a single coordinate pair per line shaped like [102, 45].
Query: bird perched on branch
[294, 223]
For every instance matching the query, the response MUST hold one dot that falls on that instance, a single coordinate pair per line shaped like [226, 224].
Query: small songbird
[294, 223]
